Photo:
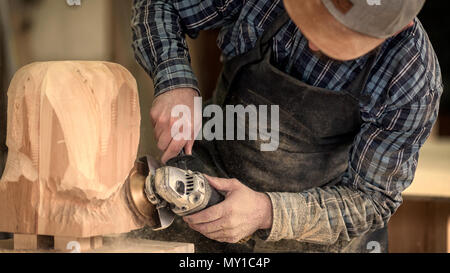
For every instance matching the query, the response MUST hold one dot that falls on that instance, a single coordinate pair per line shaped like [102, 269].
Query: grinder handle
[215, 199]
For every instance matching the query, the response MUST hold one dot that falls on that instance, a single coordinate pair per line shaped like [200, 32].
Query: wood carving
[72, 133]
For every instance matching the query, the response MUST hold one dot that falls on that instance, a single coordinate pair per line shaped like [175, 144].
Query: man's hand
[243, 212]
[163, 121]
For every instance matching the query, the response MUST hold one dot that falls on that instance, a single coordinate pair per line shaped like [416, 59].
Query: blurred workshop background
[48, 30]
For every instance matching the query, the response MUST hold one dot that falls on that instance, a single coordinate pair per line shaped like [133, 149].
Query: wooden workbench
[422, 223]
[114, 244]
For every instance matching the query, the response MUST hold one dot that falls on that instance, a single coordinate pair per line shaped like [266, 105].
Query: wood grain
[73, 133]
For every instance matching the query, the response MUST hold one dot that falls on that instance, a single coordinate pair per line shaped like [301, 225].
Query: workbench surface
[432, 179]
[115, 244]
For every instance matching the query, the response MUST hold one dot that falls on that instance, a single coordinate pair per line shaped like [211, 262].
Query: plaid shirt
[404, 91]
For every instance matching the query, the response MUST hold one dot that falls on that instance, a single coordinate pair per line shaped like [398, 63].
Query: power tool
[156, 194]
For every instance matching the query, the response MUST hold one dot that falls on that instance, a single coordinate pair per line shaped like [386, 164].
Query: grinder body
[185, 191]
[156, 194]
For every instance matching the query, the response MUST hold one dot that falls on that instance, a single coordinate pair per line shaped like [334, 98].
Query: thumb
[221, 184]
[188, 147]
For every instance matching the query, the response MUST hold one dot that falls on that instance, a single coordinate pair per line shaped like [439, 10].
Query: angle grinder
[157, 194]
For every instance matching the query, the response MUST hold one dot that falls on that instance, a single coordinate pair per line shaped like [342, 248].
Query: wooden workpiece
[72, 133]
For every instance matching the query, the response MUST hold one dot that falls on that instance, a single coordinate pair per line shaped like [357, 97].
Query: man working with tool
[358, 87]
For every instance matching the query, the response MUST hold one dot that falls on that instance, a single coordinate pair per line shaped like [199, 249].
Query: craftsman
[358, 85]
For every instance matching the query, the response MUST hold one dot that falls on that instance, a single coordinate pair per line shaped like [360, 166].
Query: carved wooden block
[72, 133]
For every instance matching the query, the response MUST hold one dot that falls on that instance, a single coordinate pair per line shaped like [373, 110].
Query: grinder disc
[137, 200]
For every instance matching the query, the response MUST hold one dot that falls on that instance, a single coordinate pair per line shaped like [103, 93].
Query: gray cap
[376, 18]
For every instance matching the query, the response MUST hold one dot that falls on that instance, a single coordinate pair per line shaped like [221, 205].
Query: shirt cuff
[289, 216]
[174, 73]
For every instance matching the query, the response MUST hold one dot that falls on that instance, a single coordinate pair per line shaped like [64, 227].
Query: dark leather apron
[316, 130]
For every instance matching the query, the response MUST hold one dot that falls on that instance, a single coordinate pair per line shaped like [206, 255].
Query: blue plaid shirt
[404, 90]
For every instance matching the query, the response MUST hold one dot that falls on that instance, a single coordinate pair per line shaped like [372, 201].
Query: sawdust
[115, 244]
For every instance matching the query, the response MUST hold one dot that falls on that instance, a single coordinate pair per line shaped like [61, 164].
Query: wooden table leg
[30, 241]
